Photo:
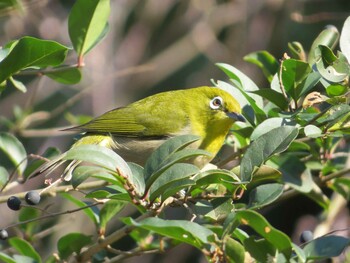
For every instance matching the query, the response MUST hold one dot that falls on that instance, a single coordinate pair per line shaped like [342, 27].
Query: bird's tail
[50, 166]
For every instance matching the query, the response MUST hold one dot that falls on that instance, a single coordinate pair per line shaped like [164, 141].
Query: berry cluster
[14, 203]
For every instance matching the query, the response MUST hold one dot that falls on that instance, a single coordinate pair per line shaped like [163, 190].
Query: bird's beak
[236, 116]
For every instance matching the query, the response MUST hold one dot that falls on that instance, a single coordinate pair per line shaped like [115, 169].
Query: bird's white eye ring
[216, 103]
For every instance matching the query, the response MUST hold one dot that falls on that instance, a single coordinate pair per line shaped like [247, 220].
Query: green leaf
[336, 90]
[88, 210]
[14, 150]
[273, 96]
[293, 75]
[234, 251]
[175, 173]
[334, 114]
[109, 210]
[275, 141]
[177, 186]
[296, 50]
[257, 222]
[270, 124]
[265, 61]
[87, 23]
[158, 157]
[331, 67]
[6, 259]
[81, 173]
[18, 85]
[216, 209]
[325, 247]
[264, 195]
[38, 53]
[328, 37]
[259, 249]
[344, 41]
[181, 230]
[138, 177]
[24, 248]
[66, 76]
[4, 176]
[312, 131]
[218, 176]
[72, 243]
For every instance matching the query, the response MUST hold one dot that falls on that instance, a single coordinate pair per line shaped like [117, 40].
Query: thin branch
[59, 189]
[86, 255]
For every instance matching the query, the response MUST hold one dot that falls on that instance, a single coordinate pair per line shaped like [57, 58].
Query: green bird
[136, 130]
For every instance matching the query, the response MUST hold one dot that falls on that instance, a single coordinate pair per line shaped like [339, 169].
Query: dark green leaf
[138, 178]
[181, 230]
[328, 37]
[14, 150]
[88, 210]
[275, 237]
[67, 76]
[87, 23]
[24, 248]
[325, 247]
[275, 97]
[177, 186]
[334, 114]
[234, 251]
[72, 243]
[259, 249]
[175, 173]
[264, 195]
[38, 53]
[160, 155]
[293, 76]
[81, 173]
[265, 61]
[216, 209]
[218, 176]
[275, 141]
[109, 210]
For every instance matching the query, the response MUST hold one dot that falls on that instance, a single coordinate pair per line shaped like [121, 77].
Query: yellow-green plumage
[136, 130]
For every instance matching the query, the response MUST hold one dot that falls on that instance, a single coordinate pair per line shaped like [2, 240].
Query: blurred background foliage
[154, 46]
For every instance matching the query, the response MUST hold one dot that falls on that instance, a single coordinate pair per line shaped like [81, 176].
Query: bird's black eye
[216, 103]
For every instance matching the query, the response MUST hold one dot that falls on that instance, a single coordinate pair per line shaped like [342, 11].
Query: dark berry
[306, 236]
[14, 203]
[32, 198]
[3, 234]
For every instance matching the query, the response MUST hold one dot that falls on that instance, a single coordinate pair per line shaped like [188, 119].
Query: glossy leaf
[6, 259]
[87, 23]
[336, 90]
[82, 173]
[275, 141]
[216, 210]
[328, 37]
[18, 85]
[66, 76]
[39, 53]
[256, 221]
[4, 175]
[14, 150]
[72, 243]
[24, 248]
[265, 61]
[325, 247]
[270, 124]
[175, 173]
[297, 51]
[218, 176]
[293, 76]
[181, 230]
[264, 195]
[332, 68]
[273, 96]
[176, 187]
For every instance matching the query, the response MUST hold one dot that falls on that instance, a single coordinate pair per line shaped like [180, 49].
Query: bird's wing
[131, 122]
